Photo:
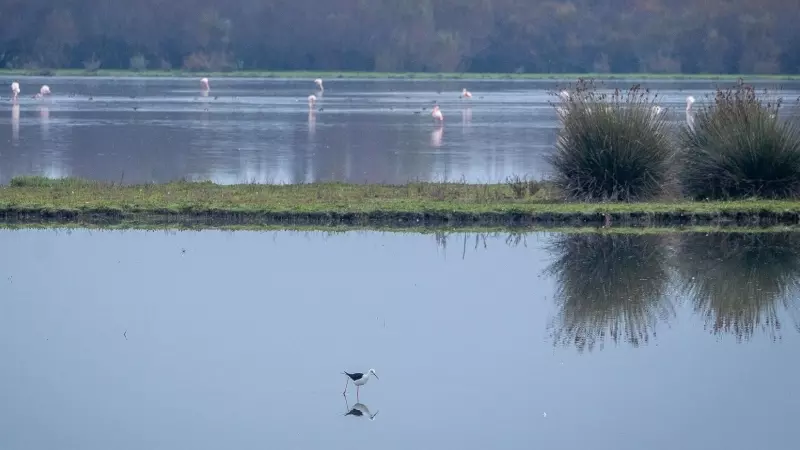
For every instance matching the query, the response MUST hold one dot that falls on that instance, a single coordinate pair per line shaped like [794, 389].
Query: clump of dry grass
[738, 147]
[611, 146]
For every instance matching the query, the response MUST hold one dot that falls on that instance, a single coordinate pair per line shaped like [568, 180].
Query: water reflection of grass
[739, 282]
[609, 287]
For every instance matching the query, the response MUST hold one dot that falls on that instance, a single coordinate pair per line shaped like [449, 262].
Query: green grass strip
[412, 205]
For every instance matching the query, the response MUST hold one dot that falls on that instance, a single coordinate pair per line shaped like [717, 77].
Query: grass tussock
[742, 282]
[738, 147]
[610, 287]
[611, 146]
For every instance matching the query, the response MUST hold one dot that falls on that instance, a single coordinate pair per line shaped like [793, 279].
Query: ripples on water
[142, 130]
[605, 341]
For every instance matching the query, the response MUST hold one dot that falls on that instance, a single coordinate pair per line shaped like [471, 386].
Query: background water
[143, 130]
[238, 340]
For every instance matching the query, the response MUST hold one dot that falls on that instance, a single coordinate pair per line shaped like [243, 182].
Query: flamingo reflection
[44, 115]
[15, 123]
[312, 122]
[436, 136]
[466, 116]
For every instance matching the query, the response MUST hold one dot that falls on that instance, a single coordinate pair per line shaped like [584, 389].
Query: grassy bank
[30, 200]
[383, 75]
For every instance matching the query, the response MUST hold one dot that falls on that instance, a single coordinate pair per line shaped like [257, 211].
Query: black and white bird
[359, 379]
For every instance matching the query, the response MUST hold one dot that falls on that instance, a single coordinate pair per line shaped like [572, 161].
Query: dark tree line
[721, 36]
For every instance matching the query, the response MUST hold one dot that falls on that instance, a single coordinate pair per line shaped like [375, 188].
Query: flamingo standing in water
[437, 114]
[318, 82]
[560, 110]
[656, 110]
[689, 112]
[204, 84]
[466, 94]
[45, 90]
[312, 99]
[14, 91]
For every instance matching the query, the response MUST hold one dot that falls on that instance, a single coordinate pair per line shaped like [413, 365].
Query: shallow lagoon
[129, 339]
[137, 130]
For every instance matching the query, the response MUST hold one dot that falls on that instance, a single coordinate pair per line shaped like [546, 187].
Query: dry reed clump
[738, 147]
[611, 146]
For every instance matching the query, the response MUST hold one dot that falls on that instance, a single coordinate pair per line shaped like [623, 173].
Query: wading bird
[561, 110]
[437, 114]
[204, 84]
[312, 99]
[466, 94]
[689, 112]
[656, 110]
[45, 90]
[14, 90]
[359, 379]
[318, 82]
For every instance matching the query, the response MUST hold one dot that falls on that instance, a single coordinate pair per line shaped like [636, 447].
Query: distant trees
[719, 36]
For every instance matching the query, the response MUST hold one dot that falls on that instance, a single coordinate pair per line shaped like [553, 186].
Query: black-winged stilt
[359, 379]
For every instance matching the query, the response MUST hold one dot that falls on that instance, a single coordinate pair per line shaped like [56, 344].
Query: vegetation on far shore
[383, 75]
[566, 36]
[516, 203]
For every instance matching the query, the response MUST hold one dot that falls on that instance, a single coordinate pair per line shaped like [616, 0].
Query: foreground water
[206, 340]
[261, 130]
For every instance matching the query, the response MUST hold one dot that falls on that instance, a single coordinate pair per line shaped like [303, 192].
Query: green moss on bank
[413, 205]
[385, 75]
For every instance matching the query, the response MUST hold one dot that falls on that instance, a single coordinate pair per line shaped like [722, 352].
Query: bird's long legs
[357, 388]
[346, 382]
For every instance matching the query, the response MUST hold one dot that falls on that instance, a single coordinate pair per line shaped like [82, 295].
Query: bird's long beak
[376, 375]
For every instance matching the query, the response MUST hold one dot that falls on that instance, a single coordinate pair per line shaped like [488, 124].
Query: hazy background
[657, 36]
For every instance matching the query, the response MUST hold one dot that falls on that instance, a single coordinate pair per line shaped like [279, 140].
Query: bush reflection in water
[619, 287]
[739, 282]
[610, 286]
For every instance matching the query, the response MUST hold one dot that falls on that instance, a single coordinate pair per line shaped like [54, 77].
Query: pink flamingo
[689, 112]
[204, 84]
[45, 90]
[437, 114]
[14, 91]
[312, 99]
[466, 94]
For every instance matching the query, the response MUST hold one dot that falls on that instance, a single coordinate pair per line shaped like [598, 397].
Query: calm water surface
[206, 340]
[260, 130]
